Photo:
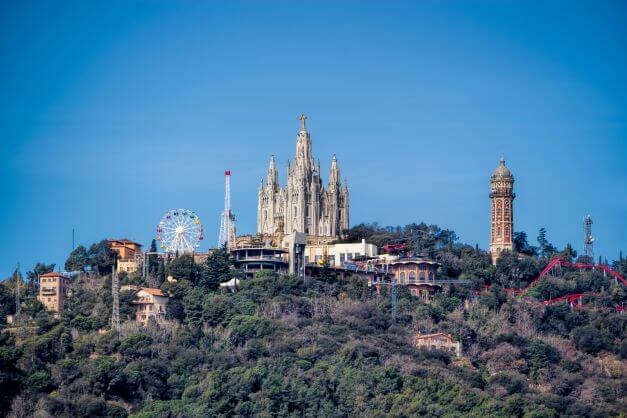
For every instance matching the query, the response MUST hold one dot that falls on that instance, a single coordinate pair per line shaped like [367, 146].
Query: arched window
[412, 277]
[422, 276]
[402, 277]
[431, 275]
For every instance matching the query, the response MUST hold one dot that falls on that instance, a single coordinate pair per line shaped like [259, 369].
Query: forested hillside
[328, 346]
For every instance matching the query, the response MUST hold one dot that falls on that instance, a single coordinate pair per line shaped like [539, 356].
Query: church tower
[502, 196]
[304, 204]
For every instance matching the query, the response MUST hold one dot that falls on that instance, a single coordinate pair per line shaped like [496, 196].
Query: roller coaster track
[563, 263]
[573, 299]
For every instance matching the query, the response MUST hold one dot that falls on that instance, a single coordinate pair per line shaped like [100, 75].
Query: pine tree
[153, 263]
[546, 248]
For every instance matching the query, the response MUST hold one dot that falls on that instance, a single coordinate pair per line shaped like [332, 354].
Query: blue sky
[112, 113]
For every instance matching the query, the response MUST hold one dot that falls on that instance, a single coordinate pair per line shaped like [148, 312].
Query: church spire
[273, 174]
[334, 177]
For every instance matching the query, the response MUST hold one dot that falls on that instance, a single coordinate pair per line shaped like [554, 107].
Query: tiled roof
[124, 241]
[53, 274]
[154, 292]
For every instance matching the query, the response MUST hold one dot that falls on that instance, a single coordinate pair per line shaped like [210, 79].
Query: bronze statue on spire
[302, 119]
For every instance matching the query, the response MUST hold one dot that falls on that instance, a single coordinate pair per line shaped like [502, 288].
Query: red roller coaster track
[573, 299]
[563, 263]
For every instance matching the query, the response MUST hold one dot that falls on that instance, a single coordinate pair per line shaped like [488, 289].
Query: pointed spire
[302, 119]
[334, 177]
[273, 175]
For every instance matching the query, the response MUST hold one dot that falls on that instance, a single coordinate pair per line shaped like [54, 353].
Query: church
[304, 204]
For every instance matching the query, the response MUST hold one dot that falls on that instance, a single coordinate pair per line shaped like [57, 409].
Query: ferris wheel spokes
[180, 231]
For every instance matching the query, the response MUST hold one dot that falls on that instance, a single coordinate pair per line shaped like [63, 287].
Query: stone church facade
[304, 204]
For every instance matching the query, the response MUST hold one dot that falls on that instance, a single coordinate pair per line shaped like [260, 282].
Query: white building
[151, 303]
[336, 255]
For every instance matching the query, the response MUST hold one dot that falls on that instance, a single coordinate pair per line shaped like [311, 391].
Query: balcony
[48, 291]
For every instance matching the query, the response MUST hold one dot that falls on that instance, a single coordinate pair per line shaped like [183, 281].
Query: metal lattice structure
[394, 303]
[588, 239]
[180, 232]
[115, 292]
[18, 282]
[227, 218]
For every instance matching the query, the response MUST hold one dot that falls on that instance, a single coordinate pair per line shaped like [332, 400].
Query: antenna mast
[588, 239]
[18, 281]
[227, 219]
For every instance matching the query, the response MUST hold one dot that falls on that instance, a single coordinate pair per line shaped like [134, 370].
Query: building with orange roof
[150, 303]
[129, 252]
[52, 291]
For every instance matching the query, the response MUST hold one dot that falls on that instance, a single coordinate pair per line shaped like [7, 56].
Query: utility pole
[115, 291]
[394, 306]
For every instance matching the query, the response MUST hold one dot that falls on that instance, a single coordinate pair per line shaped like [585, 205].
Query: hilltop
[327, 346]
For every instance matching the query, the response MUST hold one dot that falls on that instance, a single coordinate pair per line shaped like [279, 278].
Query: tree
[568, 253]
[78, 259]
[546, 248]
[40, 268]
[512, 271]
[522, 246]
[153, 262]
[215, 270]
[101, 257]
[183, 267]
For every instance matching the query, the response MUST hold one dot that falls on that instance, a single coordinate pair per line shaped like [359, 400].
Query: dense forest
[327, 346]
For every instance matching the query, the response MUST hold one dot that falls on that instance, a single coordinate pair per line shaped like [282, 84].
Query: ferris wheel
[180, 231]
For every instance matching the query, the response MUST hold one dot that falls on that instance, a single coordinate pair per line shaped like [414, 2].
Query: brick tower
[502, 196]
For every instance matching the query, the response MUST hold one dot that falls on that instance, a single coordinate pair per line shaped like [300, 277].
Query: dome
[502, 172]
